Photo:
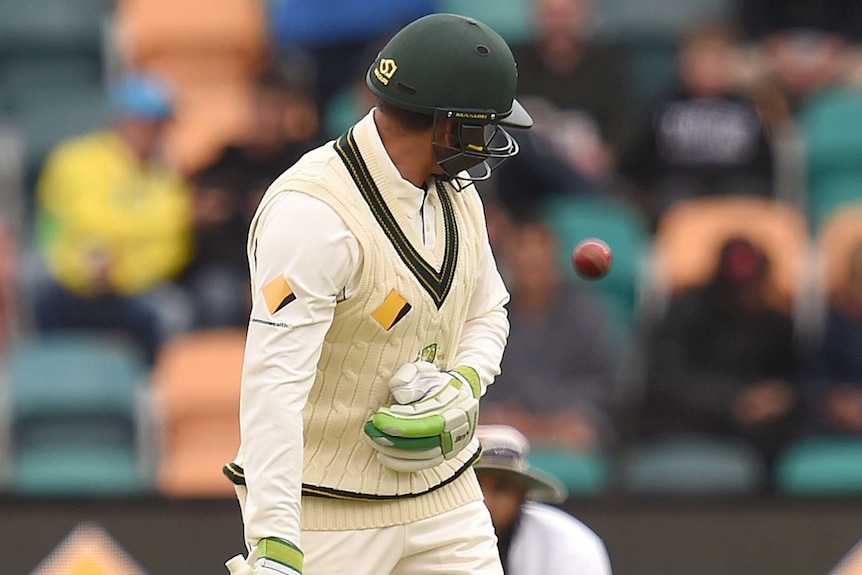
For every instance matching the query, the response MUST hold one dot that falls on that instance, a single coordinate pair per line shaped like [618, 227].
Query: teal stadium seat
[624, 229]
[32, 75]
[583, 474]
[831, 126]
[56, 25]
[691, 464]
[512, 19]
[51, 70]
[46, 45]
[51, 117]
[821, 466]
[74, 402]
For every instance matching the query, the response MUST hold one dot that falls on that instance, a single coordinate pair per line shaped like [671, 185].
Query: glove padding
[437, 424]
[276, 557]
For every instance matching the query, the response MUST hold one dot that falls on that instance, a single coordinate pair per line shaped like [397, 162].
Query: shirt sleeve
[302, 257]
[487, 327]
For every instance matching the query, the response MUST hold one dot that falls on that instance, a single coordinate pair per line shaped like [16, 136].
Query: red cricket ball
[592, 259]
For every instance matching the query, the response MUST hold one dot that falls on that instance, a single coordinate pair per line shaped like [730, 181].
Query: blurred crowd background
[715, 145]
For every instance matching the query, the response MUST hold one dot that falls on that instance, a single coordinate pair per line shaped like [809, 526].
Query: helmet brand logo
[385, 70]
[472, 116]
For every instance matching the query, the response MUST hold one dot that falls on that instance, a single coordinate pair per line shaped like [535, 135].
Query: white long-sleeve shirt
[303, 238]
[549, 541]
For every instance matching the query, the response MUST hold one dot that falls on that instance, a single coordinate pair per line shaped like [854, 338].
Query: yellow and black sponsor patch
[277, 294]
[437, 283]
[390, 312]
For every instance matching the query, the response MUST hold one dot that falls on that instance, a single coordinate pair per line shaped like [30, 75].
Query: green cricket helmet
[463, 74]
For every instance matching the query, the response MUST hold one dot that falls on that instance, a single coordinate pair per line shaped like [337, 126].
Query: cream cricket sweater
[407, 302]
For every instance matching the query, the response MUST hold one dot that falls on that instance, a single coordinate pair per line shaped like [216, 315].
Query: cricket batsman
[378, 322]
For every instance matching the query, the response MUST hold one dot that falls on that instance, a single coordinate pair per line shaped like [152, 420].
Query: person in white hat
[533, 538]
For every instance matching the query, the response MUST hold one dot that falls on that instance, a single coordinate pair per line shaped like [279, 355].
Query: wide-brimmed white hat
[505, 449]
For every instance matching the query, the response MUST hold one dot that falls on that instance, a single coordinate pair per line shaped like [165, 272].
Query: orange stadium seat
[210, 54]
[691, 233]
[226, 38]
[209, 116]
[196, 394]
[838, 236]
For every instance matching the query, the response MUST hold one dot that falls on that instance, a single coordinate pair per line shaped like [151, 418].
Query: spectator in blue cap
[114, 225]
[141, 107]
[142, 96]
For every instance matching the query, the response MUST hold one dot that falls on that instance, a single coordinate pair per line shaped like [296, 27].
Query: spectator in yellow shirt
[114, 225]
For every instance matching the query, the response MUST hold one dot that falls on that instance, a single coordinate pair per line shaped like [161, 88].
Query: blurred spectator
[114, 225]
[761, 18]
[707, 138]
[802, 62]
[722, 360]
[337, 36]
[806, 46]
[558, 380]
[837, 366]
[533, 538]
[586, 82]
[226, 193]
[579, 101]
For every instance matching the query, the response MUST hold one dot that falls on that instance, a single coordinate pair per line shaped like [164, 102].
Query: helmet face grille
[470, 152]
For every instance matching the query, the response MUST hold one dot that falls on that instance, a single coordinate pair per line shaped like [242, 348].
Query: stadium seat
[74, 401]
[690, 235]
[29, 75]
[51, 70]
[35, 25]
[839, 234]
[197, 382]
[623, 229]
[583, 474]
[154, 34]
[831, 129]
[691, 465]
[211, 115]
[821, 466]
[211, 57]
[49, 117]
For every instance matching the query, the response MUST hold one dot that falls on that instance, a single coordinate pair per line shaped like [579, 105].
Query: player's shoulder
[566, 540]
[556, 523]
[315, 159]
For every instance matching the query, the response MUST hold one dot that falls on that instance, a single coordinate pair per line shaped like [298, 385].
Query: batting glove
[436, 421]
[274, 557]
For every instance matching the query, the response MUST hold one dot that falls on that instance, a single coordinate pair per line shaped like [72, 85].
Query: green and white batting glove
[274, 557]
[436, 421]
[277, 557]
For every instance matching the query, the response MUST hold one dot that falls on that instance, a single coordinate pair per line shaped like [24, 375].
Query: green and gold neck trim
[436, 283]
